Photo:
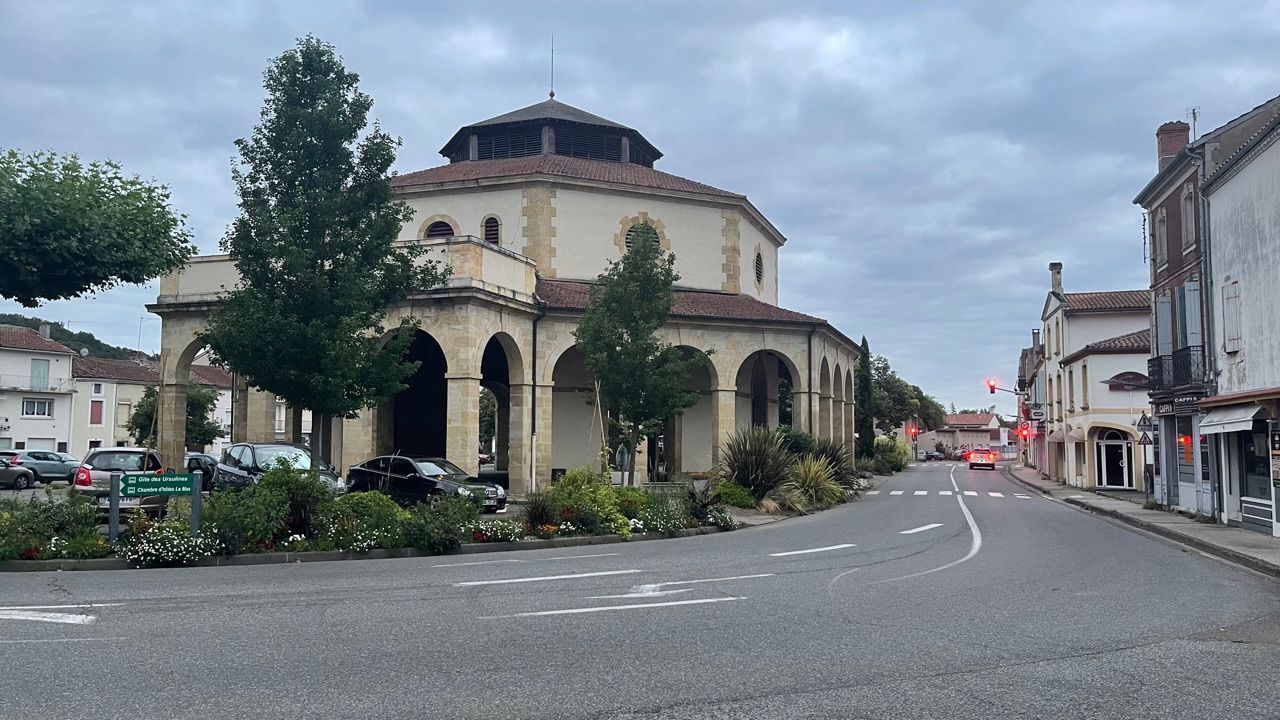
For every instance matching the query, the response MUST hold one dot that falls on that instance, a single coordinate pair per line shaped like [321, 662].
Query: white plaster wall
[696, 437]
[1244, 222]
[586, 223]
[751, 238]
[1080, 330]
[15, 367]
[575, 430]
[468, 209]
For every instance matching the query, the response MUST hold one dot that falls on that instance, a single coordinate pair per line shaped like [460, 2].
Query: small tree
[488, 417]
[865, 404]
[202, 429]
[315, 247]
[67, 228]
[641, 378]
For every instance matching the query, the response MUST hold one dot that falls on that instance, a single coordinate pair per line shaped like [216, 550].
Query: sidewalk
[1253, 550]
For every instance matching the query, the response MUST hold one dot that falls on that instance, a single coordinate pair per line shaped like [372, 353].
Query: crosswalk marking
[872, 492]
[950, 493]
[996, 494]
[895, 492]
[921, 492]
[970, 492]
[1020, 495]
[944, 492]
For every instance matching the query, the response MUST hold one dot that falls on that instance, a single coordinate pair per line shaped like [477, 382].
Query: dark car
[982, 457]
[13, 475]
[243, 463]
[93, 477]
[934, 455]
[410, 480]
[45, 465]
[203, 463]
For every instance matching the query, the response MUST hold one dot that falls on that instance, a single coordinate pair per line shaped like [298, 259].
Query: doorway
[1113, 452]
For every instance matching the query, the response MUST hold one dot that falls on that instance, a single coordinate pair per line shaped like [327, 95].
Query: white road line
[477, 562]
[607, 608]
[895, 492]
[974, 546]
[577, 557]
[49, 617]
[511, 581]
[971, 492]
[53, 640]
[1020, 495]
[871, 492]
[944, 492]
[654, 589]
[59, 607]
[996, 494]
[922, 528]
[920, 492]
[640, 593]
[812, 550]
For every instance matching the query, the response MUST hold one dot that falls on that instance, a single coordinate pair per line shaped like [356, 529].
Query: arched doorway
[575, 418]
[419, 413]
[766, 390]
[1114, 451]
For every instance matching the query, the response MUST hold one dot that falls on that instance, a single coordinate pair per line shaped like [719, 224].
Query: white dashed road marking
[996, 494]
[921, 492]
[944, 492]
[510, 581]
[1020, 495]
[872, 492]
[812, 550]
[922, 528]
[655, 589]
[637, 606]
[895, 492]
[970, 492]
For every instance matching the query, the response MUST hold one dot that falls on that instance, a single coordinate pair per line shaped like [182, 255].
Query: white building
[1095, 352]
[37, 395]
[1243, 197]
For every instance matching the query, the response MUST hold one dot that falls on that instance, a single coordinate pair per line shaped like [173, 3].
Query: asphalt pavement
[947, 593]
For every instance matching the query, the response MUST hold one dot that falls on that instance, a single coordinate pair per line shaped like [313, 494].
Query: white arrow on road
[40, 613]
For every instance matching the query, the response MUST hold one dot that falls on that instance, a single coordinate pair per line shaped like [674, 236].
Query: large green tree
[202, 429]
[67, 228]
[931, 413]
[894, 399]
[642, 379]
[864, 403]
[315, 246]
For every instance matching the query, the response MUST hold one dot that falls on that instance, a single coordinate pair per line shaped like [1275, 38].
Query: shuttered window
[1232, 339]
[95, 412]
[492, 230]
[588, 144]
[509, 143]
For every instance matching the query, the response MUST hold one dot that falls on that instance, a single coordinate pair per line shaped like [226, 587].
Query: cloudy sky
[925, 161]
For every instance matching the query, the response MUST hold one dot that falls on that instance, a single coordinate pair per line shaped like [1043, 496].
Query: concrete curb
[1208, 548]
[337, 555]
[1007, 472]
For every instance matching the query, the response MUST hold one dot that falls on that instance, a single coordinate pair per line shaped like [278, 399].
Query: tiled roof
[1132, 300]
[549, 110]
[982, 419]
[1231, 160]
[13, 337]
[133, 371]
[560, 166]
[573, 295]
[1138, 341]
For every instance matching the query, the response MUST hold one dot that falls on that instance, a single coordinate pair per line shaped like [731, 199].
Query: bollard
[196, 484]
[113, 508]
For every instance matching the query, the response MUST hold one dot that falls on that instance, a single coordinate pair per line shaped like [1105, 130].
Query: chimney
[1170, 138]
[1055, 273]
[44, 330]
[1035, 340]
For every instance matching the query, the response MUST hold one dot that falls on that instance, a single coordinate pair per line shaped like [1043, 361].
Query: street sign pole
[113, 508]
[195, 502]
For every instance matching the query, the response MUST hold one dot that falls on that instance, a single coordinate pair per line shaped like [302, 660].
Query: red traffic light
[991, 385]
[1024, 433]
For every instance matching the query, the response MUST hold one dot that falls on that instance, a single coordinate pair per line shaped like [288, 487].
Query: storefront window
[1255, 453]
[1186, 458]
[1155, 447]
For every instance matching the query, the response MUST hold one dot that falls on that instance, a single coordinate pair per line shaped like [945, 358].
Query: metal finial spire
[552, 94]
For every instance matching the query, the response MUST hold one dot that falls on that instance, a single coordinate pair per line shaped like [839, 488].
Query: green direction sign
[137, 484]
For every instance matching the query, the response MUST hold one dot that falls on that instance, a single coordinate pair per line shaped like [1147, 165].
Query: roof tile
[574, 294]
[1135, 300]
[13, 337]
[980, 419]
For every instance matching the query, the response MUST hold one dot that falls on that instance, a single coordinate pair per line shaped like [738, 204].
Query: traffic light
[991, 385]
[1024, 433]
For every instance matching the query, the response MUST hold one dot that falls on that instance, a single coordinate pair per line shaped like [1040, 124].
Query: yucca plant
[787, 497]
[841, 461]
[756, 459]
[813, 478]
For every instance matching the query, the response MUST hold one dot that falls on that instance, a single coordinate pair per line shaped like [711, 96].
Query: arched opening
[686, 442]
[576, 420]
[837, 404]
[1113, 455]
[824, 400]
[641, 231]
[847, 439]
[759, 269]
[759, 385]
[492, 230]
[171, 401]
[500, 365]
[419, 413]
[440, 229]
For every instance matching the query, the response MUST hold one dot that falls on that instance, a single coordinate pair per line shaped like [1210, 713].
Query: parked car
[410, 480]
[45, 465]
[934, 455]
[93, 477]
[203, 463]
[982, 457]
[242, 464]
[14, 476]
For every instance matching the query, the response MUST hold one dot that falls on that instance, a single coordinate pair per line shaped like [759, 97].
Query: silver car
[93, 477]
[46, 465]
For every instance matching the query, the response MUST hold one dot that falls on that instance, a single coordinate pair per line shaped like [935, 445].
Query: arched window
[439, 229]
[759, 269]
[641, 230]
[1113, 435]
[492, 230]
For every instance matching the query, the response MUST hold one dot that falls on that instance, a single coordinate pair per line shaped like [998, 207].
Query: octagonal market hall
[528, 211]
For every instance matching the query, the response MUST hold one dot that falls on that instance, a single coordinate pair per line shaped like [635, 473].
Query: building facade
[1033, 447]
[529, 210]
[1075, 327]
[1242, 421]
[37, 394]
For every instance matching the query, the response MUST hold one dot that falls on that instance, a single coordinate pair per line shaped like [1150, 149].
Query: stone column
[848, 426]
[171, 424]
[462, 433]
[357, 441]
[518, 469]
[239, 411]
[542, 441]
[501, 428]
[837, 419]
[824, 417]
[724, 418]
[260, 417]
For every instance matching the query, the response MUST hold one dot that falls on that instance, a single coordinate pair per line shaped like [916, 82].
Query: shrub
[720, 517]
[755, 458]
[86, 547]
[698, 503]
[796, 441]
[165, 544]
[735, 495]
[881, 465]
[486, 531]
[896, 451]
[539, 510]
[361, 521]
[248, 520]
[840, 460]
[814, 479]
[305, 492]
[631, 501]
[586, 501]
[787, 497]
[664, 514]
[435, 528]
[28, 528]
[865, 467]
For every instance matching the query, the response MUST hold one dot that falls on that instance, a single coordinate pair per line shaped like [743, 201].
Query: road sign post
[113, 508]
[196, 486]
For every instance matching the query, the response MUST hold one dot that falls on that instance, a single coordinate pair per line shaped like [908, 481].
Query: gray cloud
[926, 160]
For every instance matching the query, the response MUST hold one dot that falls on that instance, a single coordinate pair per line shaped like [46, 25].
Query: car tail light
[14, 460]
[83, 478]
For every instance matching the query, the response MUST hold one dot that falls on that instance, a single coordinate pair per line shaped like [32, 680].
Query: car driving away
[982, 457]
[411, 480]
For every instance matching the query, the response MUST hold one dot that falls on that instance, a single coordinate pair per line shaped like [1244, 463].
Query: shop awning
[1232, 418]
[1076, 435]
[1056, 436]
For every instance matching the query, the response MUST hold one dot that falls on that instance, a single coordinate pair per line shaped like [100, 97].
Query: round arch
[759, 387]
[425, 227]
[824, 400]
[415, 421]
[1114, 455]
[837, 403]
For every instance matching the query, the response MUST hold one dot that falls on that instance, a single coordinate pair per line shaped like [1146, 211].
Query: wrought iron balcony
[1184, 368]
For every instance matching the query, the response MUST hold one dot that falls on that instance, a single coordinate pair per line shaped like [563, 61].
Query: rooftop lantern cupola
[550, 128]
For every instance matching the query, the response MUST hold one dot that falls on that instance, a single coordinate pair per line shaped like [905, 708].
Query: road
[949, 593]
